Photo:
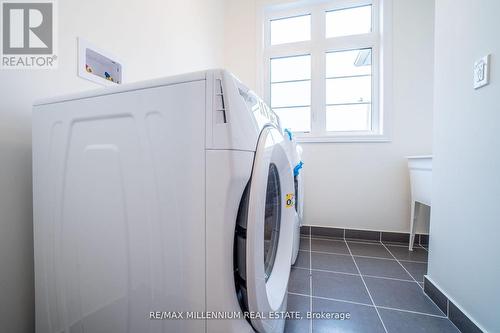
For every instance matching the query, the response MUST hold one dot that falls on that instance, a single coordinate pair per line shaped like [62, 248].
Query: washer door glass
[272, 219]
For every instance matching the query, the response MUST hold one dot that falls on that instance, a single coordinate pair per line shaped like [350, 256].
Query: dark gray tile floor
[363, 286]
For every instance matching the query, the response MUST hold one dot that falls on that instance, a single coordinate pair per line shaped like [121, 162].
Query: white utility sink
[420, 168]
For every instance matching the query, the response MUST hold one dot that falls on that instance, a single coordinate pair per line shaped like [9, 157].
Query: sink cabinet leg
[413, 217]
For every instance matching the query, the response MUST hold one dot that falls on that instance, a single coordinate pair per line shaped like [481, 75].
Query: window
[349, 21]
[349, 90]
[291, 29]
[291, 91]
[324, 66]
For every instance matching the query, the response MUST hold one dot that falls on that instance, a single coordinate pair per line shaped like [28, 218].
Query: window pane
[349, 90]
[291, 94]
[348, 117]
[292, 29]
[291, 68]
[349, 63]
[350, 21]
[296, 119]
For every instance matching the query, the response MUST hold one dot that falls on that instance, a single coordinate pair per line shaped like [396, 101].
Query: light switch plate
[482, 72]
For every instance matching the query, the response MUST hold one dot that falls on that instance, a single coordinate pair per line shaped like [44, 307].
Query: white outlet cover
[104, 63]
[482, 72]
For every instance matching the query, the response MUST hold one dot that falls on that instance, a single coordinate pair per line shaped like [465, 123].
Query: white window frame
[379, 40]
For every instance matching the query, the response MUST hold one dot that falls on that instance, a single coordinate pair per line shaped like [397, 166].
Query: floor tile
[339, 286]
[299, 281]
[300, 304]
[304, 244]
[398, 321]
[346, 288]
[402, 253]
[416, 269]
[461, 320]
[327, 232]
[362, 234]
[424, 240]
[362, 318]
[395, 244]
[370, 250]
[436, 295]
[400, 295]
[305, 230]
[333, 262]
[382, 267]
[302, 259]
[396, 237]
[330, 246]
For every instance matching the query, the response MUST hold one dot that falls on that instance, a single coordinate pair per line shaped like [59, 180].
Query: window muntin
[348, 21]
[290, 29]
[349, 63]
[294, 93]
[291, 68]
[349, 90]
[291, 91]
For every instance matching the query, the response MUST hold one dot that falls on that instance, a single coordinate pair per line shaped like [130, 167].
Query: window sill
[373, 138]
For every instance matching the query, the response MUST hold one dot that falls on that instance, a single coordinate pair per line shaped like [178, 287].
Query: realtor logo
[28, 34]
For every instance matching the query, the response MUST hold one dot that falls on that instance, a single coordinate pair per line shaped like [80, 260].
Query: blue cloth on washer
[298, 167]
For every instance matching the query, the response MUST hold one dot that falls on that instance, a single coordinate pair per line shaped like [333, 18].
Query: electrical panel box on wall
[97, 65]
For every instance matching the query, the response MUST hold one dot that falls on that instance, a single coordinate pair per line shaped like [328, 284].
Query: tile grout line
[413, 261]
[447, 311]
[368, 291]
[310, 280]
[401, 265]
[358, 241]
[395, 244]
[360, 256]
[424, 248]
[311, 238]
[409, 311]
[411, 276]
[370, 305]
[326, 271]
[333, 299]
[354, 274]
[414, 279]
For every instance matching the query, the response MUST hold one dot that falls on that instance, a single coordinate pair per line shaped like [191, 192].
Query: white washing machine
[163, 199]
[295, 156]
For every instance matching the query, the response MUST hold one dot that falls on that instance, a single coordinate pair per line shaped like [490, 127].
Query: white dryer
[161, 199]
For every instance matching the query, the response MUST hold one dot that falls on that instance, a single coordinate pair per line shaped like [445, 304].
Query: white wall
[465, 220]
[154, 38]
[361, 185]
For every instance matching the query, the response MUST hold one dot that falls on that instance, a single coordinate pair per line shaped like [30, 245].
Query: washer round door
[264, 234]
